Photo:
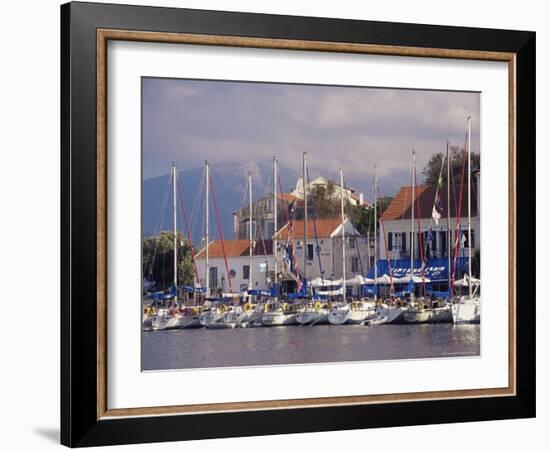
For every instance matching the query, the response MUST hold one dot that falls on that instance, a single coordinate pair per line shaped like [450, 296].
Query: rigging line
[390, 270]
[459, 209]
[317, 246]
[289, 242]
[392, 290]
[220, 231]
[355, 240]
[160, 221]
[189, 237]
[197, 206]
[419, 242]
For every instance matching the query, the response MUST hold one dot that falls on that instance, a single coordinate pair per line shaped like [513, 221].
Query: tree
[158, 260]
[457, 155]
[363, 218]
[324, 202]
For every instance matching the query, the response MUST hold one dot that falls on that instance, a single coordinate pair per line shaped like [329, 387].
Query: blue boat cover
[271, 293]
[434, 269]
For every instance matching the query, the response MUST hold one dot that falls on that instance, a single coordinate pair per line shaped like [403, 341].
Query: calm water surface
[196, 348]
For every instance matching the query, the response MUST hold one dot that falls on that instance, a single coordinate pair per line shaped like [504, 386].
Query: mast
[412, 218]
[175, 243]
[375, 196]
[275, 227]
[343, 232]
[449, 220]
[469, 212]
[206, 229]
[249, 230]
[304, 185]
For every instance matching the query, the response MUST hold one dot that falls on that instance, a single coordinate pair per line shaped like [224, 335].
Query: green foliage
[158, 260]
[324, 201]
[457, 155]
[363, 218]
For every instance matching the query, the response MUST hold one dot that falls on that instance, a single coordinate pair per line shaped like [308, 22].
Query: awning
[435, 270]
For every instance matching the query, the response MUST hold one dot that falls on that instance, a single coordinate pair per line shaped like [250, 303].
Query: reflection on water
[196, 348]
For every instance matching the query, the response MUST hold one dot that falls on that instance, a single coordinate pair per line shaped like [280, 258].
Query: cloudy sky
[188, 121]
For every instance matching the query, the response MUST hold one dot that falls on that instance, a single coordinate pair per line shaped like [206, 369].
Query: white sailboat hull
[312, 317]
[247, 317]
[466, 311]
[160, 320]
[209, 316]
[393, 315]
[227, 320]
[428, 315]
[278, 318]
[183, 321]
[350, 317]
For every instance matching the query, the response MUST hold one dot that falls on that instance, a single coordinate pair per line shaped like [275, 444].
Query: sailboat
[315, 311]
[468, 308]
[357, 311]
[389, 311]
[422, 310]
[164, 314]
[171, 316]
[276, 312]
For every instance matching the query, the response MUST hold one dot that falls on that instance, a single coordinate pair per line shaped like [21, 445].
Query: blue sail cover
[161, 295]
[405, 291]
[195, 290]
[435, 269]
[271, 293]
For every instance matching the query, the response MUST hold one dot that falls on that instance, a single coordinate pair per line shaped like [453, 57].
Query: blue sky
[188, 121]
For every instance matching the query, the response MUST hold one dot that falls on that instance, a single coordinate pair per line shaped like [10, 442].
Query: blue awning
[435, 269]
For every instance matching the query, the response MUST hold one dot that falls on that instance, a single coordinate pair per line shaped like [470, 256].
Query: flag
[437, 210]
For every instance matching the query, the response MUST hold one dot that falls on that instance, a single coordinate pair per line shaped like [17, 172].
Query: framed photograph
[277, 224]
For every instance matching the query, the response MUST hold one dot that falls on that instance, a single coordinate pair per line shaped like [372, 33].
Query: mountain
[229, 191]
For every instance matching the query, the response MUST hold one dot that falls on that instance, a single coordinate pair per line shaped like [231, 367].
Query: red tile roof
[236, 247]
[287, 197]
[400, 207]
[324, 228]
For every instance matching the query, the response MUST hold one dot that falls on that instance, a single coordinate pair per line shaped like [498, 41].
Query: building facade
[263, 217]
[326, 236]
[395, 234]
[242, 271]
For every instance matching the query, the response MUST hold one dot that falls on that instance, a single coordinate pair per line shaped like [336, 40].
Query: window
[246, 272]
[309, 252]
[355, 264]
[213, 273]
[351, 242]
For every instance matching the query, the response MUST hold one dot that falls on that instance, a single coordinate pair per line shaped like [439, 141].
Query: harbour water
[202, 348]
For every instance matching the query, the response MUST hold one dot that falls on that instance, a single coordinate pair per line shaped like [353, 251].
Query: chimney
[361, 199]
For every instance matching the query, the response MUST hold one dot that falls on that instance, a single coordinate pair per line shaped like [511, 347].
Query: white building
[395, 222]
[356, 199]
[240, 273]
[327, 234]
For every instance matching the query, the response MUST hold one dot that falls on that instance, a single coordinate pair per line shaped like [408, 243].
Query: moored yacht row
[392, 292]
[216, 314]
